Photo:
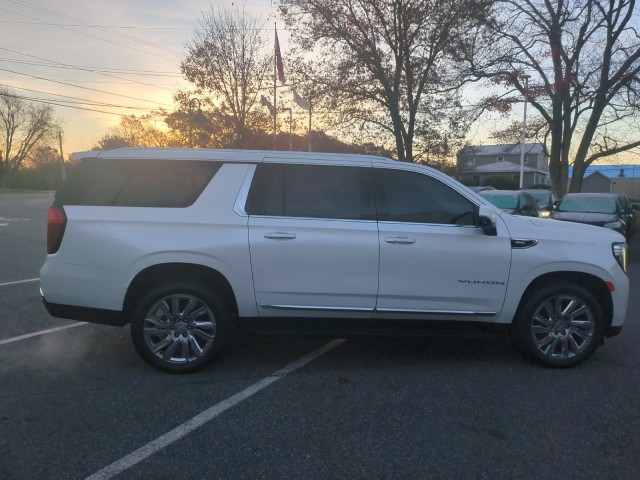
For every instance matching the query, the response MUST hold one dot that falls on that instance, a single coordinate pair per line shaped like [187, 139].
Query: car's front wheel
[179, 327]
[559, 326]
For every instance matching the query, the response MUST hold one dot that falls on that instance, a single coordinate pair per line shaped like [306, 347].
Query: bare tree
[228, 59]
[584, 59]
[390, 65]
[24, 126]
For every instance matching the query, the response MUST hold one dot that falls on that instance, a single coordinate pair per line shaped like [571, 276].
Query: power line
[52, 64]
[93, 25]
[84, 88]
[87, 70]
[61, 105]
[125, 27]
[80, 101]
[99, 38]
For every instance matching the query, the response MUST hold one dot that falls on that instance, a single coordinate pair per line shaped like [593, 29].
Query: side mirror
[487, 220]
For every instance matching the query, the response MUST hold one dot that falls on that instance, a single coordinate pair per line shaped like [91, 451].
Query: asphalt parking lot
[77, 402]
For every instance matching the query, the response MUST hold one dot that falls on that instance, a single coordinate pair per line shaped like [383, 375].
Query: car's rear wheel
[559, 326]
[179, 327]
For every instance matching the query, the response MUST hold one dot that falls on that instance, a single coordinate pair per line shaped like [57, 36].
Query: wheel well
[590, 282]
[150, 277]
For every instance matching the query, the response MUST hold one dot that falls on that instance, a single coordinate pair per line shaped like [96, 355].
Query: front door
[434, 262]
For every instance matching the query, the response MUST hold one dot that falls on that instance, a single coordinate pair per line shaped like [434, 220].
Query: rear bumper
[612, 331]
[86, 314]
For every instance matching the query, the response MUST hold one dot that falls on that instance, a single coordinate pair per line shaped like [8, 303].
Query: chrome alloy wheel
[563, 326]
[179, 328]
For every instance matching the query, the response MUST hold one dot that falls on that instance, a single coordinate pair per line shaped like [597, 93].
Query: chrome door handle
[402, 240]
[280, 236]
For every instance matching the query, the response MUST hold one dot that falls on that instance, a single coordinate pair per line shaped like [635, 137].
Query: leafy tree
[24, 126]
[227, 61]
[111, 141]
[44, 155]
[134, 131]
[388, 66]
[199, 122]
[42, 171]
[584, 59]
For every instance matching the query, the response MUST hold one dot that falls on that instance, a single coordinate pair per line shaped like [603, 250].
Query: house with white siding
[477, 163]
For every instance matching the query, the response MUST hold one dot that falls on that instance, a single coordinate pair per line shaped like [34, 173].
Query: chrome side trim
[382, 310]
[315, 307]
[436, 312]
[449, 225]
[243, 194]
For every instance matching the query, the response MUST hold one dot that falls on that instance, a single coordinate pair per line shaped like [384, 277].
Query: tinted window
[313, 191]
[541, 197]
[588, 204]
[136, 183]
[623, 200]
[502, 201]
[403, 196]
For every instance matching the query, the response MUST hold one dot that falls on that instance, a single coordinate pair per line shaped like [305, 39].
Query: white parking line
[39, 333]
[180, 431]
[20, 281]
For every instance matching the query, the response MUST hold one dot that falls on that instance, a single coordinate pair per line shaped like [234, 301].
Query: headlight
[614, 225]
[544, 213]
[620, 253]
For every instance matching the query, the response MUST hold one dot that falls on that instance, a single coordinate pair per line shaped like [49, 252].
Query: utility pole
[309, 125]
[526, 78]
[64, 174]
[275, 94]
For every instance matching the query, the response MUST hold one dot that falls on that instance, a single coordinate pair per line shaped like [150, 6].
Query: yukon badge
[482, 282]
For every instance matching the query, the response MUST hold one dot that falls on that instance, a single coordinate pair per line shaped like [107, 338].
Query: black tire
[560, 325]
[179, 327]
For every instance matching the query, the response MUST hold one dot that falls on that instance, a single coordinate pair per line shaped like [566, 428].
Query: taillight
[56, 223]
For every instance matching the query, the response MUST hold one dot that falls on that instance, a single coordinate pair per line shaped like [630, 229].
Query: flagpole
[290, 128]
[309, 124]
[275, 74]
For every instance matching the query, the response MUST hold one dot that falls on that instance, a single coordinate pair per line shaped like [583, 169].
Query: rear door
[313, 240]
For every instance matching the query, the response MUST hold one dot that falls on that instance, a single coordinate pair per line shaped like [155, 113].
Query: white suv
[187, 244]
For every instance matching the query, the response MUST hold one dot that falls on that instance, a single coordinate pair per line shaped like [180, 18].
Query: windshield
[540, 197]
[588, 204]
[502, 201]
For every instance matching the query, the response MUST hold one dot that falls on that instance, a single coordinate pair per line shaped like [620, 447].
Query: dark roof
[501, 193]
[589, 194]
[500, 167]
[612, 171]
[496, 150]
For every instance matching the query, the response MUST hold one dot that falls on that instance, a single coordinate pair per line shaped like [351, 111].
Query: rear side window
[311, 191]
[136, 183]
